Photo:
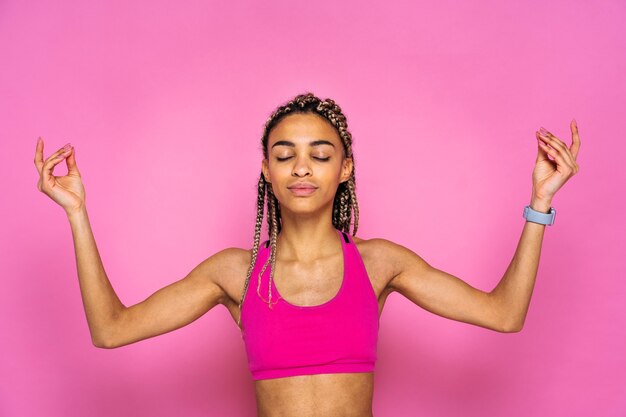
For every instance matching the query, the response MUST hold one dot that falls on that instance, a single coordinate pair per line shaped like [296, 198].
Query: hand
[549, 175]
[68, 190]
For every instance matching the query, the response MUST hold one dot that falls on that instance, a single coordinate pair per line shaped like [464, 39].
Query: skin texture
[309, 264]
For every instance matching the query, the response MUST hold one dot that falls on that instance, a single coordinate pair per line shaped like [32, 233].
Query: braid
[273, 239]
[257, 239]
[354, 204]
[344, 204]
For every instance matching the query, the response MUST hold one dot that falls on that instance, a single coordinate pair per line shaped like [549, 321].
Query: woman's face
[305, 148]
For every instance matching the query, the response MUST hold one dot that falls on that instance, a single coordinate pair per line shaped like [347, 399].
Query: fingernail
[575, 124]
[543, 130]
[67, 146]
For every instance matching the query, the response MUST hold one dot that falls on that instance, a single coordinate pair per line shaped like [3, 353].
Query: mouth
[302, 190]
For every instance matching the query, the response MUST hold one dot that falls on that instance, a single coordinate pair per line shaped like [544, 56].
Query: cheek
[279, 172]
[280, 176]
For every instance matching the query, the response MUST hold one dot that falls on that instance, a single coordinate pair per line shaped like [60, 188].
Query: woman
[310, 323]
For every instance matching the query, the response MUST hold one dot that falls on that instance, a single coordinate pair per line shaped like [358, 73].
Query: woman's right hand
[68, 190]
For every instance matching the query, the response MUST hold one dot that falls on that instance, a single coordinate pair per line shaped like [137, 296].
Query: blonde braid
[273, 240]
[257, 239]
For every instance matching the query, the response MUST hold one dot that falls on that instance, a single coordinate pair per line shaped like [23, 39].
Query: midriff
[330, 395]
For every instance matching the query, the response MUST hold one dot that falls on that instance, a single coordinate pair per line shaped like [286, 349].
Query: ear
[266, 171]
[346, 169]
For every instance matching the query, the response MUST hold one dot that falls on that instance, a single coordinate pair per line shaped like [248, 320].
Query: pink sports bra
[339, 335]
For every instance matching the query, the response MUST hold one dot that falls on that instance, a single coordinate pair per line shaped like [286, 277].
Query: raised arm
[440, 292]
[110, 322]
[113, 325]
[175, 305]
[504, 308]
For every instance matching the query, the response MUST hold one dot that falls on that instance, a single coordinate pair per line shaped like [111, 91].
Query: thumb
[541, 153]
[70, 161]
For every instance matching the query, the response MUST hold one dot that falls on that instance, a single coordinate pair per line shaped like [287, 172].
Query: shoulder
[375, 252]
[229, 258]
[233, 263]
[369, 246]
[225, 267]
[378, 247]
[387, 257]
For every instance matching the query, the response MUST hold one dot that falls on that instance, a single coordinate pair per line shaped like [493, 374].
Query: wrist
[76, 213]
[540, 205]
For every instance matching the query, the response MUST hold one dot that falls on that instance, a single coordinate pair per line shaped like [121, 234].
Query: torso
[340, 394]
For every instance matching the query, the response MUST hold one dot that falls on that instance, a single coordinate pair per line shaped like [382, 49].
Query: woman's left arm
[504, 308]
[514, 290]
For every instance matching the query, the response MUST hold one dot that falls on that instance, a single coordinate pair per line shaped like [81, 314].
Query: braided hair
[345, 198]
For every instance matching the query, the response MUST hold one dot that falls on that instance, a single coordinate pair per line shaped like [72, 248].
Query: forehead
[303, 128]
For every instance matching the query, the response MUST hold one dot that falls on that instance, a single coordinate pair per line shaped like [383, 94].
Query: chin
[299, 205]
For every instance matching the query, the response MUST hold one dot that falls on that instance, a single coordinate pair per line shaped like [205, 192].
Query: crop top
[337, 336]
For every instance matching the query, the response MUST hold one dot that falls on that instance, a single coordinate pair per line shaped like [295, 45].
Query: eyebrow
[312, 143]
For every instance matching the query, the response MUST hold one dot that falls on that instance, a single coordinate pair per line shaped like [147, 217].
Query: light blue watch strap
[539, 217]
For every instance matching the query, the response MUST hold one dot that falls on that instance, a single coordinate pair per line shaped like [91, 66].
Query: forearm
[101, 303]
[515, 289]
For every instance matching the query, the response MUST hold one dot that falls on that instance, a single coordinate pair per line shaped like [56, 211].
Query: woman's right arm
[101, 303]
[112, 324]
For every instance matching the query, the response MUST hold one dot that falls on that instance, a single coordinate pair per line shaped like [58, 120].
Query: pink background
[165, 105]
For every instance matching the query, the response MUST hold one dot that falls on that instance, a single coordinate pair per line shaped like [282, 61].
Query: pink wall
[165, 103]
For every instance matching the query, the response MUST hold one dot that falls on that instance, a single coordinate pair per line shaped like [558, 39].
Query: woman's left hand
[550, 175]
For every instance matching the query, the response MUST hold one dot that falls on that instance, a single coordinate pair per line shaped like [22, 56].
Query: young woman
[308, 299]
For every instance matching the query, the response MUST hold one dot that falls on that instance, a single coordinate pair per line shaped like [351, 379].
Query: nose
[301, 167]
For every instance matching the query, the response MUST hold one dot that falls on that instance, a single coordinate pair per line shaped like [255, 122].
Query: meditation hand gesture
[68, 190]
[550, 175]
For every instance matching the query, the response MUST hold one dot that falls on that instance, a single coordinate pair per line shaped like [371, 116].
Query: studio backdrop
[165, 102]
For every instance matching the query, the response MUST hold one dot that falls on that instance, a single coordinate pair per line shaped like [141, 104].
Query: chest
[315, 283]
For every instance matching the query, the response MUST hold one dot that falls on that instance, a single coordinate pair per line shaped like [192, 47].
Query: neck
[307, 237]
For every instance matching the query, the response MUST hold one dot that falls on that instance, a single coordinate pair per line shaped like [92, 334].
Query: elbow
[103, 338]
[97, 343]
[102, 344]
[514, 327]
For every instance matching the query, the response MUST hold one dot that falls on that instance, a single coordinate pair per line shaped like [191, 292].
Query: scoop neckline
[335, 297]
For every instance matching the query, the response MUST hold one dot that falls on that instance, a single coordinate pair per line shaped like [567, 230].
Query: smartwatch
[539, 217]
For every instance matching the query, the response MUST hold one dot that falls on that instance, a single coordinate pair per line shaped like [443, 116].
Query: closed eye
[289, 157]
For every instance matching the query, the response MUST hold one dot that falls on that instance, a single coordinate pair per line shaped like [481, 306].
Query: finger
[70, 160]
[39, 154]
[51, 162]
[548, 150]
[558, 144]
[562, 166]
[542, 155]
[58, 155]
[575, 139]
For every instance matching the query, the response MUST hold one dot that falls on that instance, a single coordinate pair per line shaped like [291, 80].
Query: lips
[302, 186]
